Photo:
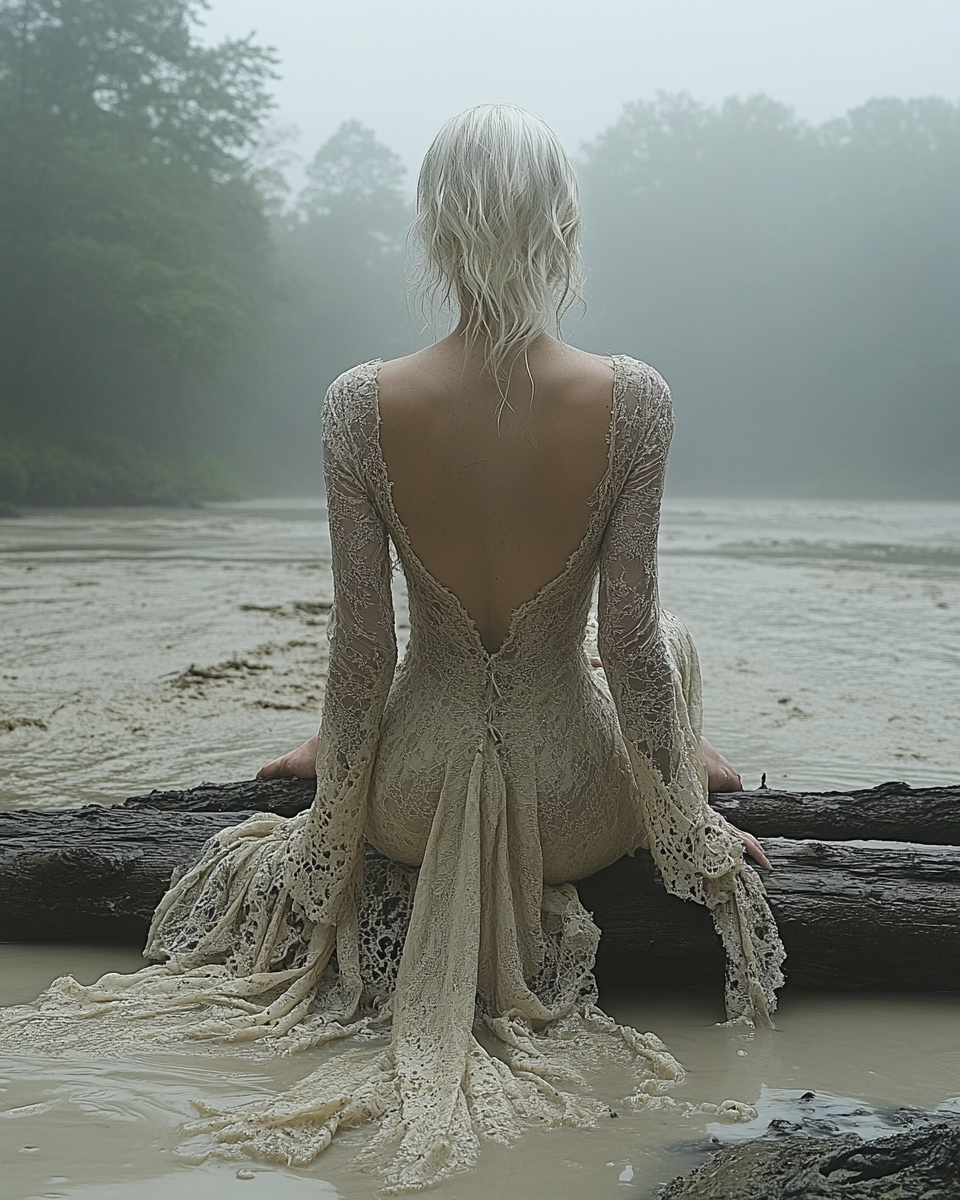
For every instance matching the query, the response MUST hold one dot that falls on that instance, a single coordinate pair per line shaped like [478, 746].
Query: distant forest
[170, 314]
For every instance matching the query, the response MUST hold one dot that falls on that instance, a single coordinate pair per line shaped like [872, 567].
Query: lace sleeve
[630, 637]
[363, 655]
[646, 655]
[363, 645]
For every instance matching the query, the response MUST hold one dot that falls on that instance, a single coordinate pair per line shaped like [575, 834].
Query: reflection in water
[108, 1128]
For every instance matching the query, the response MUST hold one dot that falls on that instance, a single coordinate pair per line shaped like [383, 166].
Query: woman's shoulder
[349, 411]
[643, 381]
[645, 409]
[349, 415]
[349, 389]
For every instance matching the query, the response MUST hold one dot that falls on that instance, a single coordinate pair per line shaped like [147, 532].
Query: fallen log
[285, 797]
[852, 916]
[891, 811]
[93, 874]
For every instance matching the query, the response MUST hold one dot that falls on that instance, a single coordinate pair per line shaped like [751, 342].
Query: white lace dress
[489, 782]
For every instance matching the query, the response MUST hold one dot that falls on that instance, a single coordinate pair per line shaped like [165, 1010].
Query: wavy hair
[497, 230]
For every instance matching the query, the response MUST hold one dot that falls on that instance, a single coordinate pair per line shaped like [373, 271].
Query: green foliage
[90, 65]
[358, 180]
[344, 246]
[798, 286]
[134, 251]
[105, 473]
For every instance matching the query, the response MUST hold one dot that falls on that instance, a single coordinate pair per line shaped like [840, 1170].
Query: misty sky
[403, 68]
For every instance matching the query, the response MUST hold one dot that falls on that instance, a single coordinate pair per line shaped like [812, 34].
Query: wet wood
[286, 797]
[852, 916]
[93, 874]
[892, 811]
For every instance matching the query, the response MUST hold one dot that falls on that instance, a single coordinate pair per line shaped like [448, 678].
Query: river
[155, 648]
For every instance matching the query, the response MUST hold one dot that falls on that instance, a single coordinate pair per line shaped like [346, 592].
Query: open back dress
[458, 957]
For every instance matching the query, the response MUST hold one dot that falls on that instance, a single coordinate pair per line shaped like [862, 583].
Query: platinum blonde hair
[497, 230]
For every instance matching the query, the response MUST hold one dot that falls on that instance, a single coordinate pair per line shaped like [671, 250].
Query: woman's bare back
[495, 507]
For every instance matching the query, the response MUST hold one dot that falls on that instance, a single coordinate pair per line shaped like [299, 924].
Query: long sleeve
[646, 657]
[643, 677]
[363, 655]
[630, 638]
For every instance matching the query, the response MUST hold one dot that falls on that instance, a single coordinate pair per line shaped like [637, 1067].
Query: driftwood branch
[286, 797]
[852, 916]
[93, 874]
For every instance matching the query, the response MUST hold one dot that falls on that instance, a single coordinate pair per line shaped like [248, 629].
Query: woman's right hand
[298, 764]
[751, 845]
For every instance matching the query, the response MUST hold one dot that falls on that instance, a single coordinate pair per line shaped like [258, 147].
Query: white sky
[404, 66]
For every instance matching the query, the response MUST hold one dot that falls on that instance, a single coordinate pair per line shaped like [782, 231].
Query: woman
[496, 764]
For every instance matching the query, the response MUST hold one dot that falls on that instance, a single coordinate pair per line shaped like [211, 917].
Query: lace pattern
[499, 779]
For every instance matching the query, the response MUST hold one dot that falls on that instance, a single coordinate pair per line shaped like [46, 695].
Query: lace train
[289, 986]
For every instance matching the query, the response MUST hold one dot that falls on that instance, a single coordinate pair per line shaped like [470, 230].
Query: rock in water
[915, 1165]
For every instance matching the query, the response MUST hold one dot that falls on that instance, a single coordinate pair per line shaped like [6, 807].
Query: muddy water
[143, 649]
[107, 1130]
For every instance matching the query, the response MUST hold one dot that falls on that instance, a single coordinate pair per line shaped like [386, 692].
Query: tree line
[170, 315]
[798, 285]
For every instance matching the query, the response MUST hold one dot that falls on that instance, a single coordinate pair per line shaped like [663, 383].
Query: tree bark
[892, 811]
[286, 797]
[93, 874]
[852, 916]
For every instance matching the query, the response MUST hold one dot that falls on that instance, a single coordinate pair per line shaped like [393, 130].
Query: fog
[203, 212]
[402, 69]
